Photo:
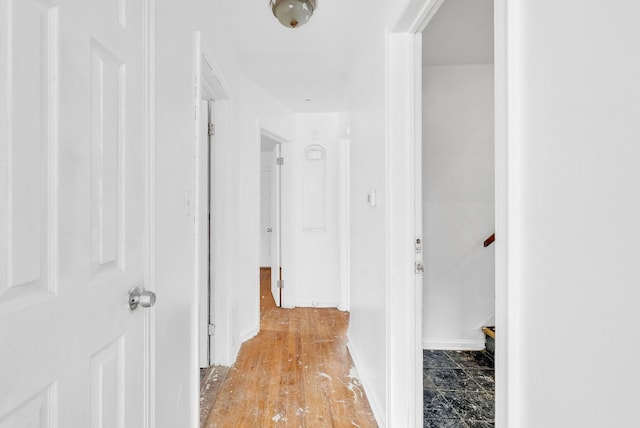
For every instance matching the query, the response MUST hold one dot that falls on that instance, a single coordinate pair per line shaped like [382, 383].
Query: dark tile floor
[458, 389]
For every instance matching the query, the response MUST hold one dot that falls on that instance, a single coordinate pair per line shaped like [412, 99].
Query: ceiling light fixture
[293, 13]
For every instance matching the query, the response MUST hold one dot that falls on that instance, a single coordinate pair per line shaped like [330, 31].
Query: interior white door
[276, 226]
[266, 229]
[211, 230]
[72, 213]
[202, 232]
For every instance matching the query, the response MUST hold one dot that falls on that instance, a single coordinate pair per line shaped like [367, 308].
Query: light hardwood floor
[296, 373]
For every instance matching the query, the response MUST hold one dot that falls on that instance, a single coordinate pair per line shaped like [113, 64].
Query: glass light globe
[293, 13]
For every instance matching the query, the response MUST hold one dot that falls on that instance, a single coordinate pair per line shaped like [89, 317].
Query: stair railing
[490, 240]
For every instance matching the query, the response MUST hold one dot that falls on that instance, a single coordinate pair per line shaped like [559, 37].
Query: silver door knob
[142, 297]
[269, 229]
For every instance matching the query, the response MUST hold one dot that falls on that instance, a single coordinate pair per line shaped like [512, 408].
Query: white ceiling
[461, 32]
[312, 61]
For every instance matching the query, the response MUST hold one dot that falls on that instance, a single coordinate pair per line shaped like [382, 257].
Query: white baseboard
[454, 345]
[375, 406]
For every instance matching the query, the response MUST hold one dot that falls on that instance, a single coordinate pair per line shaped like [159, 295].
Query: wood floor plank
[209, 386]
[296, 373]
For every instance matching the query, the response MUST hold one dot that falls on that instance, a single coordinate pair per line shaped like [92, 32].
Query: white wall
[315, 201]
[174, 244]
[236, 204]
[572, 210]
[253, 108]
[458, 204]
[368, 321]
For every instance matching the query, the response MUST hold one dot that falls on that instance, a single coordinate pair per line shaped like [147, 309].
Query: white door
[266, 229]
[276, 226]
[202, 223]
[72, 214]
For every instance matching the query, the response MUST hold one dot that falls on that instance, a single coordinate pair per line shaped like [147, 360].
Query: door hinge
[280, 283]
[212, 329]
[279, 161]
[419, 267]
[418, 245]
[212, 129]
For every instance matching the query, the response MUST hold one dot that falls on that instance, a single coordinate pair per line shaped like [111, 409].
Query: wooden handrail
[490, 240]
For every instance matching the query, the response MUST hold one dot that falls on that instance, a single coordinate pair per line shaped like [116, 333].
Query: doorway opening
[271, 195]
[211, 375]
[212, 136]
[458, 215]
[206, 326]
[405, 186]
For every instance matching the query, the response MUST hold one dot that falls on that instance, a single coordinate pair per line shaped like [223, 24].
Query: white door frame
[204, 156]
[150, 254]
[403, 180]
[344, 218]
[211, 85]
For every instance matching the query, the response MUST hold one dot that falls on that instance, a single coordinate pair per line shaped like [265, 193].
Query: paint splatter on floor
[278, 418]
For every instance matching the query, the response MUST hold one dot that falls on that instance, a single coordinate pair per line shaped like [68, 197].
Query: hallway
[297, 372]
